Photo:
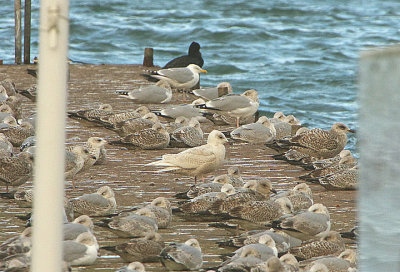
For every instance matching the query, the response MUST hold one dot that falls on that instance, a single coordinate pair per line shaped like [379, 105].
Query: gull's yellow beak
[203, 71]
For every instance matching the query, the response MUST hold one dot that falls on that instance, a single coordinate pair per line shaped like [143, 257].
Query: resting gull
[193, 56]
[186, 256]
[305, 225]
[330, 244]
[146, 249]
[187, 136]
[341, 180]
[161, 211]
[300, 197]
[320, 143]
[180, 78]
[17, 135]
[233, 105]
[16, 170]
[96, 204]
[342, 263]
[159, 93]
[92, 114]
[210, 93]
[137, 224]
[81, 251]
[196, 161]
[132, 267]
[260, 132]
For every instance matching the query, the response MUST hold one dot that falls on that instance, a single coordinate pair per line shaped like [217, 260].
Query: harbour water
[302, 57]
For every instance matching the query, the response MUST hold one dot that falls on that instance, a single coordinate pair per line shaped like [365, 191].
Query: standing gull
[180, 78]
[159, 93]
[196, 161]
[193, 57]
[236, 106]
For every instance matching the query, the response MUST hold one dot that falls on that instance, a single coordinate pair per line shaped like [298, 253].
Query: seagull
[210, 93]
[186, 256]
[132, 267]
[196, 161]
[81, 251]
[319, 143]
[237, 106]
[193, 57]
[260, 132]
[159, 93]
[180, 78]
[100, 203]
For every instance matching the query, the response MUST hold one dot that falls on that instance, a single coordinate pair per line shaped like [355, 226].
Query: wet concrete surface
[134, 183]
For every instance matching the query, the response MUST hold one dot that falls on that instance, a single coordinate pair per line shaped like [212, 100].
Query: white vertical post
[49, 161]
[379, 198]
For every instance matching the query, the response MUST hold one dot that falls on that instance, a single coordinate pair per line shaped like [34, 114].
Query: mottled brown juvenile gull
[183, 78]
[10, 121]
[210, 93]
[344, 164]
[17, 170]
[203, 188]
[187, 136]
[146, 249]
[132, 267]
[16, 135]
[203, 202]
[341, 180]
[96, 204]
[234, 176]
[263, 212]
[156, 137]
[186, 256]
[236, 106]
[305, 225]
[300, 197]
[112, 119]
[330, 244]
[248, 260]
[345, 153]
[20, 243]
[82, 251]
[159, 93]
[260, 192]
[6, 148]
[320, 143]
[138, 224]
[130, 126]
[193, 56]
[92, 114]
[15, 103]
[196, 161]
[260, 132]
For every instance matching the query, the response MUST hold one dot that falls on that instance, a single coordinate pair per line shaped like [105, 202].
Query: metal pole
[27, 32]
[49, 162]
[18, 35]
[379, 203]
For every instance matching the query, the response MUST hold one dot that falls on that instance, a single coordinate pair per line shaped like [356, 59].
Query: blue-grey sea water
[301, 56]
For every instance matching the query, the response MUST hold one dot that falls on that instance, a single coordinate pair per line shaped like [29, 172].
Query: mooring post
[379, 204]
[27, 32]
[18, 32]
[47, 252]
[148, 57]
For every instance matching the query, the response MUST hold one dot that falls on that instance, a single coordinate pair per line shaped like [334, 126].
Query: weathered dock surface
[133, 183]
